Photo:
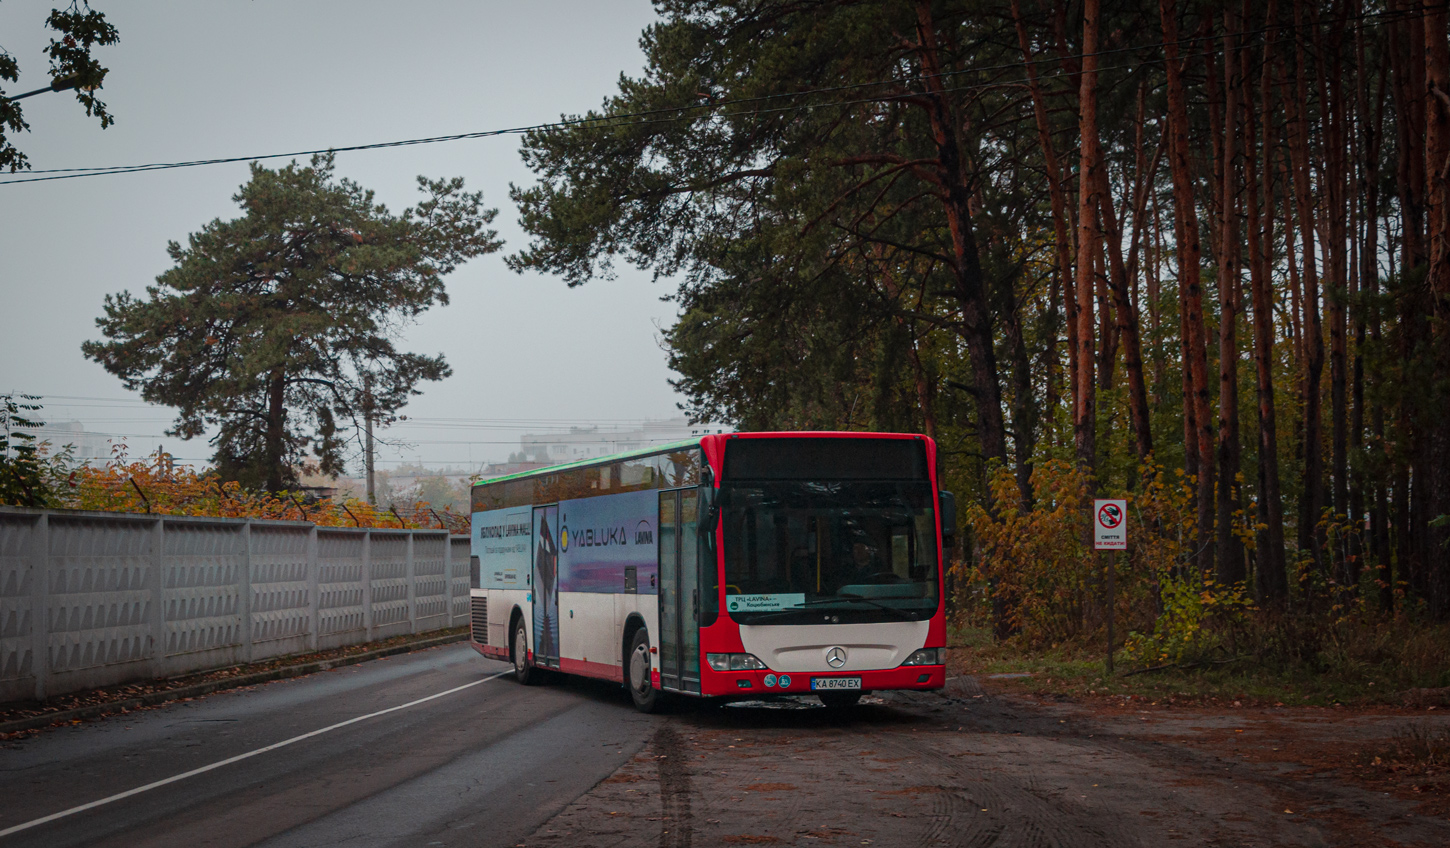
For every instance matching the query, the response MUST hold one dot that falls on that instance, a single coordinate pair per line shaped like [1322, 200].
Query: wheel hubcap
[638, 665]
[521, 652]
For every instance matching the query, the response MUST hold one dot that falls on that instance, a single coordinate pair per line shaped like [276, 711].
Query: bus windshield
[803, 552]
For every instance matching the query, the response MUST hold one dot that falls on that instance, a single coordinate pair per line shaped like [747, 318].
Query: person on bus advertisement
[546, 562]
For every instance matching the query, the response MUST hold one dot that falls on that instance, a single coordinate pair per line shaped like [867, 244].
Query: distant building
[537, 450]
[587, 442]
[491, 470]
[90, 448]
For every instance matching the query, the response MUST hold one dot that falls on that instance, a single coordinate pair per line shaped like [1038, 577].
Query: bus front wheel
[641, 687]
[524, 671]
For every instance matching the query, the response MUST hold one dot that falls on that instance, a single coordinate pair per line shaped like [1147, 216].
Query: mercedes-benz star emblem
[836, 657]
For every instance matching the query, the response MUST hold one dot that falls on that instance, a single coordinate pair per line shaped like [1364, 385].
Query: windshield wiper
[849, 599]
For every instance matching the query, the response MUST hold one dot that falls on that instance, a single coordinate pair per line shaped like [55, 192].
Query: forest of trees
[1210, 236]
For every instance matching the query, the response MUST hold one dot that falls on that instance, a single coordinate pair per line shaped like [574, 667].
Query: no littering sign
[1110, 525]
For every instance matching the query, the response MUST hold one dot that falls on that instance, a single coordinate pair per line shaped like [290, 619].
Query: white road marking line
[238, 758]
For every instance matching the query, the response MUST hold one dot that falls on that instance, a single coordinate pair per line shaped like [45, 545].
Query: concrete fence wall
[95, 599]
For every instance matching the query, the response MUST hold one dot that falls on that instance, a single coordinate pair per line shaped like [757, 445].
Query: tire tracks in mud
[990, 807]
[673, 776]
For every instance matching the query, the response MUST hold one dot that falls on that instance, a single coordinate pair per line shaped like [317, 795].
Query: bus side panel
[588, 635]
[501, 604]
[608, 549]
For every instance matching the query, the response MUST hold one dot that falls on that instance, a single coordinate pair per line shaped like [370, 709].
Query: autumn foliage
[1035, 567]
[157, 485]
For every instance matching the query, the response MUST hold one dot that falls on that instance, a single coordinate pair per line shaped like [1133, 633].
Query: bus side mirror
[948, 503]
[709, 514]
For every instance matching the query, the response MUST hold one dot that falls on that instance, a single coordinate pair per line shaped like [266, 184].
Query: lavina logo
[644, 534]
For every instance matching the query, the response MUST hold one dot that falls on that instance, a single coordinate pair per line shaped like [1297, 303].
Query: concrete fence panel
[95, 599]
[389, 585]
[202, 587]
[102, 607]
[281, 590]
[459, 551]
[18, 610]
[341, 593]
[432, 594]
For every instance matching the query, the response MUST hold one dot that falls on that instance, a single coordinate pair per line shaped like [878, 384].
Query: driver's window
[901, 552]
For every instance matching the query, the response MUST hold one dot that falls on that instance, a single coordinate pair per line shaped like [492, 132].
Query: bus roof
[597, 460]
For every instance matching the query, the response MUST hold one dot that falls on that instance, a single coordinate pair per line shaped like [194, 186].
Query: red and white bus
[743, 564]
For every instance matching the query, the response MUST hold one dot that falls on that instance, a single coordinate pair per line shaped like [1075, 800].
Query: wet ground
[967, 768]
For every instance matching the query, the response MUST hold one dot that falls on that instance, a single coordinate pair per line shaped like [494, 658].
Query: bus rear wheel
[524, 671]
[839, 700]
[638, 678]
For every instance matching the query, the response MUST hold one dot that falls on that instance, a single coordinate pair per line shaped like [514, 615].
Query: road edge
[151, 699]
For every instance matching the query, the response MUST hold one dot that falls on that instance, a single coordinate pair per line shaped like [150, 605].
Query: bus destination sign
[765, 603]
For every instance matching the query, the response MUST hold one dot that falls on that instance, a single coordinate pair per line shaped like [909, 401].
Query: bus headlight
[928, 656]
[734, 662]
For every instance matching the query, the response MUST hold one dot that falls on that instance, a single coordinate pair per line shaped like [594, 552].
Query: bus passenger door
[679, 637]
[546, 586]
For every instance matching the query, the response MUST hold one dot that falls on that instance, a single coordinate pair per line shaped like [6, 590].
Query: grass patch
[1276, 664]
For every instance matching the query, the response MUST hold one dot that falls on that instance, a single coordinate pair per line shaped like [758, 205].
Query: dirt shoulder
[973, 766]
[1403, 751]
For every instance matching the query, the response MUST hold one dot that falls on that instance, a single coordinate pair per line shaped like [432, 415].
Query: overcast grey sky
[199, 80]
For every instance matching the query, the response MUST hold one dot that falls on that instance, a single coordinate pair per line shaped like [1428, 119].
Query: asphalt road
[432, 749]
[419, 749]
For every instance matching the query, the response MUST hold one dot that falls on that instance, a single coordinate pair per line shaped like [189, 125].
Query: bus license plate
[827, 683]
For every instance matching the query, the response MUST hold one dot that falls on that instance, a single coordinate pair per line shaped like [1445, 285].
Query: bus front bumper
[799, 683]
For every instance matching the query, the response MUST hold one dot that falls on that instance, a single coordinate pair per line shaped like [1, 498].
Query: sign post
[1110, 533]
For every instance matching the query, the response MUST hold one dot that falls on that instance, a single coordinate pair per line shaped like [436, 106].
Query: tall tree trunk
[970, 289]
[1363, 485]
[274, 443]
[1155, 298]
[1271, 579]
[1230, 550]
[1058, 197]
[1084, 419]
[1024, 400]
[1312, 503]
[1108, 335]
[1127, 324]
[1125, 277]
[924, 393]
[1407, 69]
[1331, 97]
[1190, 253]
[1436, 434]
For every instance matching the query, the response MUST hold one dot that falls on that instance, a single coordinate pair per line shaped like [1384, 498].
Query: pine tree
[280, 327]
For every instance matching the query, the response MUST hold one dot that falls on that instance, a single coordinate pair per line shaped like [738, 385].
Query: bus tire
[839, 700]
[524, 671]
[637, 674]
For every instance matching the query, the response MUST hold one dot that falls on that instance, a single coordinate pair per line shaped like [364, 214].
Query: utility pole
[368, 435]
